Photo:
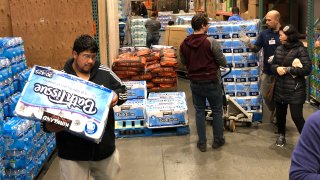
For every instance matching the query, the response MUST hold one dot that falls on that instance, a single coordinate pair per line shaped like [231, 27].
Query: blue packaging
[247, 89]
[250, 104]
[220, 30]
[225, 45]
[131, 109]
[230, 89]
[245, 60]
[136, 89]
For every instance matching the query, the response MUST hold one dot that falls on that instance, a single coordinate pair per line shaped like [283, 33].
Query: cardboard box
[242, 5]
[253, 1]
[174, 36]
[253, 10]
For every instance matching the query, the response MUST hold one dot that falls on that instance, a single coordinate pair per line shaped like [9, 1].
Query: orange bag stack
[157, 67]
[164, 75]
[128, 64]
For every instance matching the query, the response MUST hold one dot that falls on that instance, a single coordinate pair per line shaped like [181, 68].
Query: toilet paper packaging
[80, 106]
[166, 115]
[136, 89]
[131, 109]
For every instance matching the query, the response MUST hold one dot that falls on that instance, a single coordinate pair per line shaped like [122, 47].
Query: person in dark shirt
[202, 56]
[142, 10]
[305, 160]
[235, 15]
[79, 157]
[268, 40]
[153, 26]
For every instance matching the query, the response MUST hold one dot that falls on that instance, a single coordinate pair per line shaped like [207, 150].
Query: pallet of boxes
[152, 71]
[161, 114]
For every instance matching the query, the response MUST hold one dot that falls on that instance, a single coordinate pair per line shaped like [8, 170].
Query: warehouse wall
[5, 19]
[48, 27]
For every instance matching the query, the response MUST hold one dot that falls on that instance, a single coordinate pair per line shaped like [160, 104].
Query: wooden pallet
[147, 132]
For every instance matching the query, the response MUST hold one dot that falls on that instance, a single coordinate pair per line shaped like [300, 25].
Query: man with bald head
[268, 40]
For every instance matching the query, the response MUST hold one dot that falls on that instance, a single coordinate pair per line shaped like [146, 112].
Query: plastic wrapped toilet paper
[80, 106]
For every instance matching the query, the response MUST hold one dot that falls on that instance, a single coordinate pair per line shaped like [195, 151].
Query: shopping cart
[232, 111]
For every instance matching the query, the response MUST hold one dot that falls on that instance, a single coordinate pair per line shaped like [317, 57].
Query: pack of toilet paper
[136, 89]
[166, 115]
[166, 109]
[80, 106]
[131, 109]
[166, 95]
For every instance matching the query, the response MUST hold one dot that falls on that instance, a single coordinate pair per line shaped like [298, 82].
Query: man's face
[271, 21]
[205, 28]
[84, 61]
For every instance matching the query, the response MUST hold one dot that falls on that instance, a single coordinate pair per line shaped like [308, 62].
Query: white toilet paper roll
[78, 122]
[94, 130]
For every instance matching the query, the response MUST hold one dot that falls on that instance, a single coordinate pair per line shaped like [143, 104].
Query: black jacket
[202, 55]
[287, 88]
[77, 148]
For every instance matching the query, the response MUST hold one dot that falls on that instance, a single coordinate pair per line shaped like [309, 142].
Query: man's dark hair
[198, 20]
[290, 32]
[170, 23]
[235, 10]
[85, 43]
[154, 14]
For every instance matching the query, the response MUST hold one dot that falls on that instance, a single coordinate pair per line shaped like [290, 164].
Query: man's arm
[217, 53]
[119, 89]
[305, 161]
[182, 58]
[258, 45]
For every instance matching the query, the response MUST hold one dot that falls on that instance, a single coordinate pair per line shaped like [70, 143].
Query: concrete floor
[249, 153]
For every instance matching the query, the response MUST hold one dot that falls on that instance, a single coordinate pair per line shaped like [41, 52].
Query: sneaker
[217, 144]
[281, 141]
[202, 147]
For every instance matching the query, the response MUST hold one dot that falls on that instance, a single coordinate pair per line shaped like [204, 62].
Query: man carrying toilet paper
[268, 40]
[79, 157]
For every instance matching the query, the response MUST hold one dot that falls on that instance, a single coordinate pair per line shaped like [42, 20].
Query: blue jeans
[213, 92]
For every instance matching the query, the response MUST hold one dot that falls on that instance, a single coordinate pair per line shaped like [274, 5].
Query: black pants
[296, 114]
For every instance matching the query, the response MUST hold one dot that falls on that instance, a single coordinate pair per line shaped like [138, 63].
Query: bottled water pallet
[147, 132]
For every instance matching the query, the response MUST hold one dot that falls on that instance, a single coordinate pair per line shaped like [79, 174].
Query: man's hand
[53, 127]
[281, 70]
[245, 39]
[114, 99]
[270, 59]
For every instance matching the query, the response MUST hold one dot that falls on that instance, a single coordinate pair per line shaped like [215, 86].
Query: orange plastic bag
[164, 80]
[145, 76]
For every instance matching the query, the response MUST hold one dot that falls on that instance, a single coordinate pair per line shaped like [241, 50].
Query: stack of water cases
[182, 20]
[131, 115]
[242, 83]
[120, 8]
[315, 75]
[24, 146]
[164, 18]
[138, 32]
[166, 109]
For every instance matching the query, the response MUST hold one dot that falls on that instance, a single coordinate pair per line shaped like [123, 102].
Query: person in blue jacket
[235, 15]
[305, 161]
